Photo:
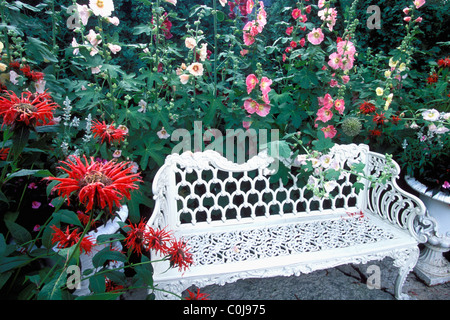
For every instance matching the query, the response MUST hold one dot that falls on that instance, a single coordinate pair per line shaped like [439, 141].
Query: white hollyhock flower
[430, 115]
[102, 8]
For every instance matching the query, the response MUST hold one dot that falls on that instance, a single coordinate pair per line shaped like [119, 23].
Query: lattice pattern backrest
[208, 189]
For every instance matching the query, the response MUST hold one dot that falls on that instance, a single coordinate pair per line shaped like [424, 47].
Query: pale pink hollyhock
[335, 60]
[407, 19]
[113, 20]
[419, 3]
[223, 2]
[316, 36]
[163, 134]
[324, 114]
[84, 13]
[174, 2]
[114, 48]
[117, 154]
[419, 20]
[345, 79]
[321, 3]
[346, 47]
[265, 85]
[406, 10]
[39, 86]
[190, 43]
[251, 105]
[263, 110]
[93, 38]
[35, 204]
[261, 18]
[184, 78]
[96, 70]
[339, 105]
[333, 83]
[196, 69]
[347, 62]
[203, 52]
[329, 131]
[76, 46]
[243, 52]
[251, 82]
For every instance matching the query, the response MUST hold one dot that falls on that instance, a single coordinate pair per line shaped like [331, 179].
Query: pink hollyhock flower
[265, 97]
[321, 3]
[263, 110]
[289, 30]
[247, 124]
[302, 42]
[406, 10]
[326, 101]
[303, 18]
[249, 33]
[324, 114]
[407, 19]
[243, 52]
[346, 47]
[251, 82]
[296, 13]
[316, 36]
[345, 79]
[347, 62]
[293, 44]
[335, 61]
[261, 18]
[419, 3]
[329, 131]
[265, 85]
[419, 20]
[35, 204]
[339, 105]
[250, 105]
[333, 83]
[250, 6]
[308, 9]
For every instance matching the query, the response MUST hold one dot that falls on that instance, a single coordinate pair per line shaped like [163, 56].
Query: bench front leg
[405, 260]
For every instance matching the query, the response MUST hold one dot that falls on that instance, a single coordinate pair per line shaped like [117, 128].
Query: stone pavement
[347, 282]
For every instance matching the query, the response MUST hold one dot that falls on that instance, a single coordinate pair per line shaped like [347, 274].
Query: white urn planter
[432, 267]
[111, 227]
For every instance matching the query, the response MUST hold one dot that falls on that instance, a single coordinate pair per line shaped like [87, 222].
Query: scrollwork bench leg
[405, 260]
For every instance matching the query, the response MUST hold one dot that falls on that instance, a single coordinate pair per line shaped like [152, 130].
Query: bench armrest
[392, 203]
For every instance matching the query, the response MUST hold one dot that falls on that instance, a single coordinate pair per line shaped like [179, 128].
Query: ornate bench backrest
[204, 189]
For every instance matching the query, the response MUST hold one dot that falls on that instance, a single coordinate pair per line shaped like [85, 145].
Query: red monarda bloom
[444, 63]
[97, 184]
[67, 239]
[379, 119]
[136, 237]
[197, 295]
[30, 109]
[179, 255]
[4, 153]
[158, 240]
[367, 107]
[108, 132]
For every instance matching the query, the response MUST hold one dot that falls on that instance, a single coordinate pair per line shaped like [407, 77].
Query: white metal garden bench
[240, 225]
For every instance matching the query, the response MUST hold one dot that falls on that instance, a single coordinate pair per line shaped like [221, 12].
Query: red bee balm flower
[108, 132]
[29, 109]
[67, 239]
[179, 255]
[197, 295]
[97, 184]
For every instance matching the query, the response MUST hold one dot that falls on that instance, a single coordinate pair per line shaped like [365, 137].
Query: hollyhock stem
[5, 32]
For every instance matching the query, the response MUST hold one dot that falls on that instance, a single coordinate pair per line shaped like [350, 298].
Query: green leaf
[358, 187]
[39, 50]
[52, 289]
[101, 296]
[4, 278]
[9, 263]
[322, 144]
[97, 283]
[145, 271]
[107, 254]
[28, 172]
[19, 233]
[68, 217]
